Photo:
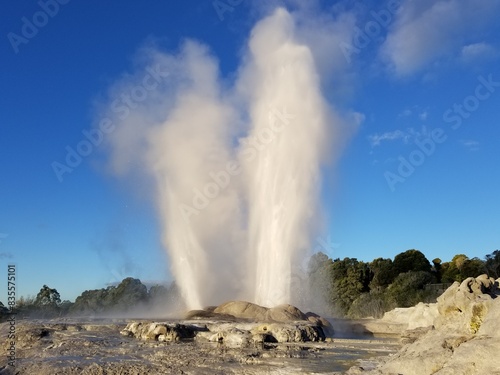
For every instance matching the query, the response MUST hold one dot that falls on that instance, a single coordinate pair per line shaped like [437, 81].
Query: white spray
[236, 211]
[288, 118]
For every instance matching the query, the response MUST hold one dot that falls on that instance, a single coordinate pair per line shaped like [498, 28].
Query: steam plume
[282, 182]
[236, 211]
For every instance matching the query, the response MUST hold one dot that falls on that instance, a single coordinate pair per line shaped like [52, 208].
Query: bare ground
[97, 348]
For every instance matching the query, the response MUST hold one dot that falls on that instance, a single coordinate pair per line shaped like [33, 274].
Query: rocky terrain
[234, 338]
[457, 335]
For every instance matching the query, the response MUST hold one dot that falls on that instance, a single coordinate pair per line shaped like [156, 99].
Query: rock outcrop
[399, 320]
[463, 337]
[242, 310]
[238, 324]
[462, 307]
[419, 316]
[250, 311]
[166, 332]
[251, 334]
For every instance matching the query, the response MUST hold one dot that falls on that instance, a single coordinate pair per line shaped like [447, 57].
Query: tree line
[129, 295]
[343, 288]
[356, 289]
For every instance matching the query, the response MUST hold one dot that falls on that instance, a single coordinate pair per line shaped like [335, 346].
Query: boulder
[462, 307]
[491, 320]
[160, 331]
[231, 337]
[285, 313]
[400, 319]
[246, 334]
[239, 324]
[477, 356]
[319, 321]
[463, 339]
[207, 315]
[252, 312]
[419, 316]
[243, 310]
[277, 332]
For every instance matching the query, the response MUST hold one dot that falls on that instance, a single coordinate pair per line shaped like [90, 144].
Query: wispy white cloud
[377, 139]
[415, 110]
[428, 30]
[406, 136]
[478, 51]
[424, 132]
[470, 144]
[406, 113]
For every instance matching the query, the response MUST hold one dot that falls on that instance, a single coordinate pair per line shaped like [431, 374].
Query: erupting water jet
[240, 238]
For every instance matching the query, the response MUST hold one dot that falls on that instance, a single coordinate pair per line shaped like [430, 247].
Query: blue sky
[420, 73]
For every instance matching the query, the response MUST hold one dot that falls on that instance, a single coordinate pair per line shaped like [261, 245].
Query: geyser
[283, 180]
[236, 166]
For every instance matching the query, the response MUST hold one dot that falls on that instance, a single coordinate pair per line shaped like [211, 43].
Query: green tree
[461, 267]
[48, 297]
[408, 288]
[4, 312]
[26, 305]
[126, 295]
[157, 293]
[411, 260]
[317, 261]
[160, 295]
[437, 269]
[493, 264]
[473, 268]
[350, 279]
[46, 303]
[382, 273]
[373, 304]
[65, 307]
[320, 283]
[450, 273]
[459, 260]
[129, 293]
[92, 301]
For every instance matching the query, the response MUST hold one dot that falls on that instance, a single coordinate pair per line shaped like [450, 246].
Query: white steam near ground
[236, 167]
